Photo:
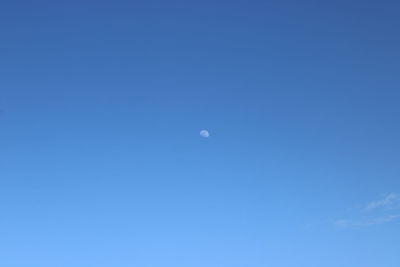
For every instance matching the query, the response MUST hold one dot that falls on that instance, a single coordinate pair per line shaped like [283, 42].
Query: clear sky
[102, 163]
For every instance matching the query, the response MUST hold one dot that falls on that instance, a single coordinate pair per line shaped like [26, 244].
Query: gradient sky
[102, 164]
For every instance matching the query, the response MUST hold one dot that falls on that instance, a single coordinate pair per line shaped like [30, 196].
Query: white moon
[204, 133]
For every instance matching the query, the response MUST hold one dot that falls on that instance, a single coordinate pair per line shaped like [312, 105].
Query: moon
[204, 133]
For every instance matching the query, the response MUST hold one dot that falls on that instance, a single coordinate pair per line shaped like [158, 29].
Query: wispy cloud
[367, 222]
[375, 212]
[388, 201]
[380, 220]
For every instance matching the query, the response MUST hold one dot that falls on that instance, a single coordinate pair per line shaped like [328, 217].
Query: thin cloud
[378, 212]
[366, 222]
[388, 201]
[380, 220]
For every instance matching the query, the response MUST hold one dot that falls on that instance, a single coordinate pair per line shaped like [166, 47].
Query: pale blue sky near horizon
[102, 163]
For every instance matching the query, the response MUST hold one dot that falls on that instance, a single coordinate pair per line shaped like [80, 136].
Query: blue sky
[102, 163]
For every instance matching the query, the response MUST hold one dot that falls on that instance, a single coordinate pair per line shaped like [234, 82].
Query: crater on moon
[204, 133]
